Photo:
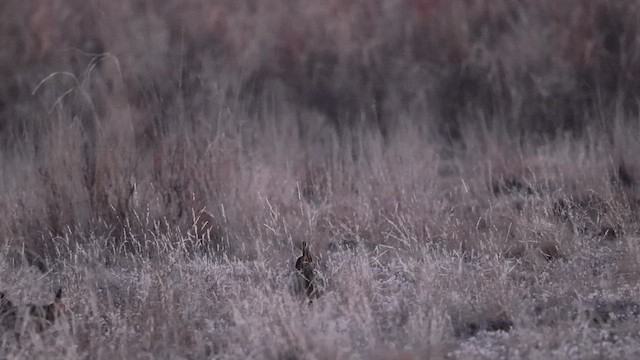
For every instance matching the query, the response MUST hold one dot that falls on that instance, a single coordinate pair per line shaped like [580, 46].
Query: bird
[36, 317]
[306, 272]
[46, 315]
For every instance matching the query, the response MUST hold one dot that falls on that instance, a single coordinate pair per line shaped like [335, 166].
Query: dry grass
[465, 173]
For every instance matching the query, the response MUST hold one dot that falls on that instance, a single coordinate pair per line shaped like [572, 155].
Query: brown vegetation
[466, 171]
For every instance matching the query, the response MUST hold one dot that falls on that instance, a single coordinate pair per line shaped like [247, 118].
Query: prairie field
[466, 174]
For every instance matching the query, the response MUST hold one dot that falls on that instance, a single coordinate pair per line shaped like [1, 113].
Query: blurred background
[160, 109]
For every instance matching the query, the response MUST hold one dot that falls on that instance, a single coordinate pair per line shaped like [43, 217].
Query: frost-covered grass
[457, 273]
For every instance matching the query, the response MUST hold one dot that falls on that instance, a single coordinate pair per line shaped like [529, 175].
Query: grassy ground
[468, 188]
